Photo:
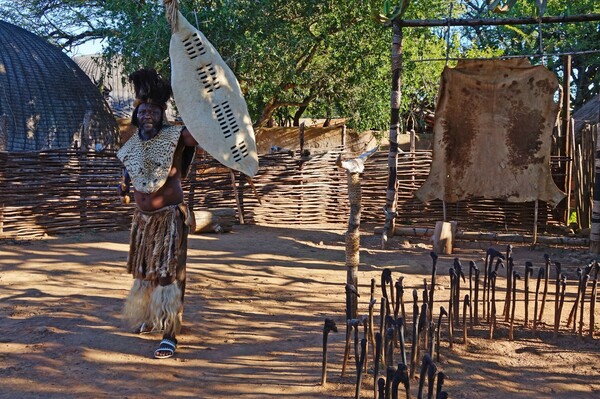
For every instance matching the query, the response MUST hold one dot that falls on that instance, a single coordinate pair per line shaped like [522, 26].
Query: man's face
[149, 117]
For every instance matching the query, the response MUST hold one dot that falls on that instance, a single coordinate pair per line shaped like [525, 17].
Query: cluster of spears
[424, 338]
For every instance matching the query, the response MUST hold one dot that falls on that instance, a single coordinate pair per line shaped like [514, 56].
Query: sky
[89, 47]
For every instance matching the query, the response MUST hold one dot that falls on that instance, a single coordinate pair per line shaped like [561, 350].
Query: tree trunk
[392, 184]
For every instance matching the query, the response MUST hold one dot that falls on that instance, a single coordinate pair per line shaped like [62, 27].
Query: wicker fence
[68, 191]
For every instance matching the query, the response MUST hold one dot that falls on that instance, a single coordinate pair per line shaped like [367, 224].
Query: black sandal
[166, 345]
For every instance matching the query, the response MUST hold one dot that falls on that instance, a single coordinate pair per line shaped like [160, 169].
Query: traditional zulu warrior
[211, 103]
[155, 160]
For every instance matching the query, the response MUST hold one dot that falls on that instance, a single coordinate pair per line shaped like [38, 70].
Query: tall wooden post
[353, 242]
[392, 183]
[3, 147]
[354, 168]
[563, 143]
[595, 228]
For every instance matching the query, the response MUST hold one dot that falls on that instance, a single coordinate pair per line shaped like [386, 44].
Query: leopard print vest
[149, 161]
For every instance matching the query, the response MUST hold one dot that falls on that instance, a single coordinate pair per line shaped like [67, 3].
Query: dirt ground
[256, 301]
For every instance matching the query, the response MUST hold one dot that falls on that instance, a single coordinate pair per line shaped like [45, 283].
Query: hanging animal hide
[493, 133]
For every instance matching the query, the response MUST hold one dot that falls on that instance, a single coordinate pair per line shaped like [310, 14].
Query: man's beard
[153, 130]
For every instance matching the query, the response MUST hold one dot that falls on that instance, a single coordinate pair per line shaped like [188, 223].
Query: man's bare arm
[188, 139]
[125, 185]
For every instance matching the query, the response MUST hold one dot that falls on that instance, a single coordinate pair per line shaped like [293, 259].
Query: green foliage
[322, 58]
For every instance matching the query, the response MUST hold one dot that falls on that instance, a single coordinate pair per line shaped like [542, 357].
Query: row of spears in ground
[426, 332]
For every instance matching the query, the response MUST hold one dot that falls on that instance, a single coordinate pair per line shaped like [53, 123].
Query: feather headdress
[150, 87]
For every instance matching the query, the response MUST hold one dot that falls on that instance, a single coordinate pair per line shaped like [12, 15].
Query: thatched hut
[47, 101]
[588, 113]
[57, 135]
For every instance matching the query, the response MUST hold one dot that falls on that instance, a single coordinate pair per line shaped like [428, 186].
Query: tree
[555, 39]
[314, 57]
[292, 57]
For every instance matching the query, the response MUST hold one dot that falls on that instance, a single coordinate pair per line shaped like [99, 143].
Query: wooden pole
[566, 122]
[595, 228]
[353, 169]
[235, 194]
[570, 139]
[392, 182]
[353, 241]
[535, 222]
[499, 21]
[301, 138]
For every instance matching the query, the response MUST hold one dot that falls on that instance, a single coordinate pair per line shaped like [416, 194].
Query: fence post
[595, 228]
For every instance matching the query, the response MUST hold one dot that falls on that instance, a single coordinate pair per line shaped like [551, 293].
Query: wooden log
[218, 220]
[443, 237]
[489, 236]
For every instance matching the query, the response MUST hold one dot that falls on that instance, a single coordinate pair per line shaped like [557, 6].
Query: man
[155, 160]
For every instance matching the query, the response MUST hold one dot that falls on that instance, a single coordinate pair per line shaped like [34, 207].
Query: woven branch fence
[68, 191]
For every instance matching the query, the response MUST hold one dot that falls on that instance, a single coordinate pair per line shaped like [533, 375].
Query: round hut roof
[46, 100]
[118, 90]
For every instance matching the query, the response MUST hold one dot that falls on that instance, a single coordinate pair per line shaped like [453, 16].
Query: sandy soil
[256, 301]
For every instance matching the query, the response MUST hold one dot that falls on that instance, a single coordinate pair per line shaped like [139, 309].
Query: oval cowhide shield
[210, 100]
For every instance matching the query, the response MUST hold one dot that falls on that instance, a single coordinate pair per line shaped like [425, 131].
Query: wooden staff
[546, 277]
[509, 269]
[434, 259]
[472, 266]
[514, 301]
[492, 278]
[563, 287]
[466, 304]
[573, 313]
[528, 273]
[327, 328]
[537, 290]
[584, 283]
[557, 296]
[593, 299]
